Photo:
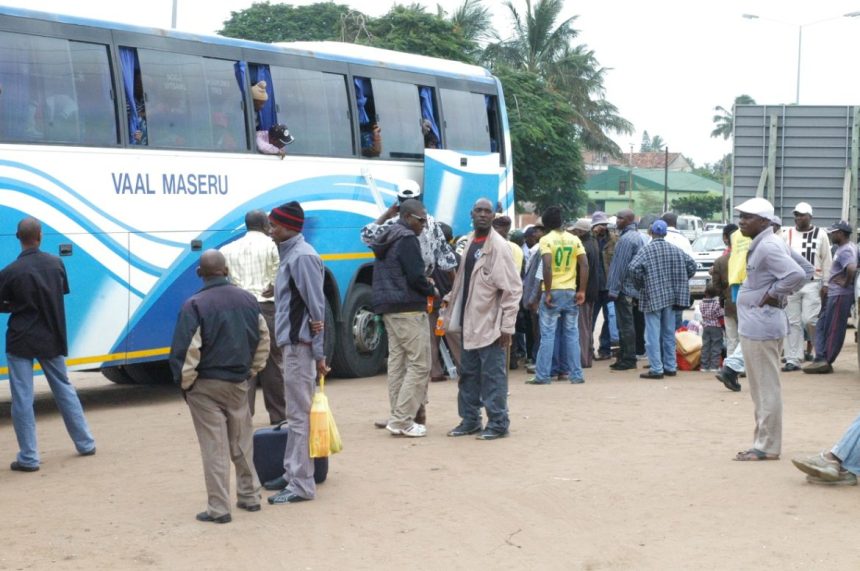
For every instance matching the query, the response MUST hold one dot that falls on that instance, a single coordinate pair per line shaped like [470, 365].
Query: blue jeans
[848, 448]
[609, 331]
[563, 307]
[23, 416]
[735, 361]
[660, 340]
[484, 381]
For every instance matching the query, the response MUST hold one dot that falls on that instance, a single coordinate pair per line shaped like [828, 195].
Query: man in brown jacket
[483, 305]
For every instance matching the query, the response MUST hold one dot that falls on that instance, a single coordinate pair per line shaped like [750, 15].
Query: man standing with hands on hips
[483, 304]
[772, 275]
[299, 320]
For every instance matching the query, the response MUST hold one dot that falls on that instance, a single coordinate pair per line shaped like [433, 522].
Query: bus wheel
[153, 373]
[117, 374]
[361, 341]
[330, 332]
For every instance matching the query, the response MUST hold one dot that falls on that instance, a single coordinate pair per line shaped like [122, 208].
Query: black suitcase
[269, 445]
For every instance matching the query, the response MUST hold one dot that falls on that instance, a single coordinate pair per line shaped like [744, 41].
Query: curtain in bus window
[399, 112]
[362, 87]
[315, 107]
[428, 111]
[466, 127]
[491, 119]
[268, 115]
[128, 59]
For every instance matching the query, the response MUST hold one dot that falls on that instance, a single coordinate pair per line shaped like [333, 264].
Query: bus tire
[361, 341]
[330, 331]
[152, 373]
[117, 374]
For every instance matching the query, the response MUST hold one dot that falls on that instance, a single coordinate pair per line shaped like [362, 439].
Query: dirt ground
[618, 473]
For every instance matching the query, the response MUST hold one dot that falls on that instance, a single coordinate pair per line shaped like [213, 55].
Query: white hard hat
[407, 189]
[803, 208]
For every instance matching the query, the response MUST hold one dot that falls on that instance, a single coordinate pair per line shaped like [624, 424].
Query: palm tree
[543, 47]
[657, 144]
[471, 19]
[724, 120]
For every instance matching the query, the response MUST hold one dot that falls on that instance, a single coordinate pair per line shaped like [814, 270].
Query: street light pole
[800, 40]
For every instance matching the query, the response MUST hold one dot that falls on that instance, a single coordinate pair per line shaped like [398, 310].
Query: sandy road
[618, 473]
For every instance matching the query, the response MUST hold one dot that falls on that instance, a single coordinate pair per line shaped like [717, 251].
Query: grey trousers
[762, 367]
[300, 377]
[271, 378]
[223, 424]
[712, 347]
[408, 365]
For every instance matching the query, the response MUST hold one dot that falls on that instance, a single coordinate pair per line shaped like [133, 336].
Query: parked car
[690, 226]
[714, 226]
[706, 249]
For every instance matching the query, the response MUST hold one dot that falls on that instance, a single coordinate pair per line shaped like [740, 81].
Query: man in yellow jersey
[562, 256]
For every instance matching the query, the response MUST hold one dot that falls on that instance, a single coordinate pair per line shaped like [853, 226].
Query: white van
[690, 226]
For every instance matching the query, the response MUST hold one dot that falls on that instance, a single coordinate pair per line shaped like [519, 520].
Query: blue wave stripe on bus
[103, 237]
[77, 195]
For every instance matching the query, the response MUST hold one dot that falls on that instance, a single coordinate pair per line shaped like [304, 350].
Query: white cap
[757, 206]
[407, 189]
[803, 208]
[776, 220]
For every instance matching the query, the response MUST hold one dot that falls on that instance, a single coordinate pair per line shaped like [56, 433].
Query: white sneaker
[392, 430]
[414, 431]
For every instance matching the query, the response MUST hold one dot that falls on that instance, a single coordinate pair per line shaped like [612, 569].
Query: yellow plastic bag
[324, 436]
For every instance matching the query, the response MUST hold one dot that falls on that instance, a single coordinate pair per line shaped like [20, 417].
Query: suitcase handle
[280, 424]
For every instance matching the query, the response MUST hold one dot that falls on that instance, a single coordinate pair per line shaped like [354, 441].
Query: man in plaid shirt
[661, 272]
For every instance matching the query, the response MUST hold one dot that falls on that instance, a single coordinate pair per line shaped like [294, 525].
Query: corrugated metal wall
[813, 151]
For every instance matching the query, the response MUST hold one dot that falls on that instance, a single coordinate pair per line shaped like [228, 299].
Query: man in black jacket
[400, 292]
[582, 230]
[32, 289]
[221, 339]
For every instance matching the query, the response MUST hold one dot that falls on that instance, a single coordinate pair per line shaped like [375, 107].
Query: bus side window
[315, 107]
[370, 133]
[429, 118]
[399, 115]
[55, 91]
[466, 121]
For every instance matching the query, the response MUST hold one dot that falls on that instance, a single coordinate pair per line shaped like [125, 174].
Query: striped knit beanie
[289, 215]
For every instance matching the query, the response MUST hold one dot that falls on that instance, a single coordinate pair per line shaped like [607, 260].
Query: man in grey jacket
[299, 320]
[772, 275]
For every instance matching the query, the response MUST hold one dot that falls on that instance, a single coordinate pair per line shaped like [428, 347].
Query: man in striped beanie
[299, 320]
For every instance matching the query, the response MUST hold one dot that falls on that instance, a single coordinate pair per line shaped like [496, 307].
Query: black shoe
[248, 507]
[204, 516]
[602, 357]
[461, 430]
[729, 377]
[670, 373]
[650, 375]
[18, 467]
[790, 368]
[492, 435]
[808, 356]
[277, 484]
[286, 497]
[618, 366]
[89, 452]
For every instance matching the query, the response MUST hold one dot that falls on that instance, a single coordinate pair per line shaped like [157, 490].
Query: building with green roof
[618, 187]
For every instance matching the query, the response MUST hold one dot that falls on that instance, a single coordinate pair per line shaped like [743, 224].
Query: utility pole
[666, 182]
[630, 180]
[173, 18]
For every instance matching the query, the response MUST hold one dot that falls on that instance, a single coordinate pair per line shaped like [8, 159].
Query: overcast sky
[671, 61]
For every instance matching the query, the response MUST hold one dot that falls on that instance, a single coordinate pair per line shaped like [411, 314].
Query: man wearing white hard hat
[772, 275]
[803, 307]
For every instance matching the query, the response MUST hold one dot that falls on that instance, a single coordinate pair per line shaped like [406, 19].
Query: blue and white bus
[135, 147]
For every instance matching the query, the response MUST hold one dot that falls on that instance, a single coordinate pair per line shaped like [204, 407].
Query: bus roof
[337, 51]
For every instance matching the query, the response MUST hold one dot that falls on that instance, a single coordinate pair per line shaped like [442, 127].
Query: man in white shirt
[803, 307]
[253, 261]
[674, 236]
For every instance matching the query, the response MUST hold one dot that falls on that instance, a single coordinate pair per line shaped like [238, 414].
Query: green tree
[657, 144]
[412, 29]
[548, 166]
[265, 22]
[473, 21]
[703, 206]
[724, 120]
[645, 145]
[648, 202]
[542, 45]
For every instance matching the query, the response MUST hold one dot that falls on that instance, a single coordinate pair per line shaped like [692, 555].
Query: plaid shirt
[434, 248]
[627, 247]
[253, 262]
[712, 312]
[662, 274]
